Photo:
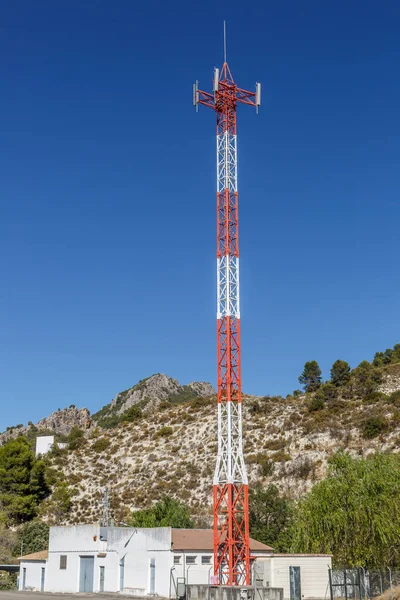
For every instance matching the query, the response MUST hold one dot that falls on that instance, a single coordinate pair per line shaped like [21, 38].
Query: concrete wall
[142, 546]
[204, 592]
[33, 574]
[197, 573]
[44, 443]
[314, 574]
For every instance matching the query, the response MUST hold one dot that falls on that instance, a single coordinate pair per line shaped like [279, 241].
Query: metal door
[102, 579]
[23, 578]
[121, 573]
[86, 575]
[42, 580]
[152, 576]
[295, 588]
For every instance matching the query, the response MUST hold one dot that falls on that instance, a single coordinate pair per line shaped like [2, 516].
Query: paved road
[48, 596]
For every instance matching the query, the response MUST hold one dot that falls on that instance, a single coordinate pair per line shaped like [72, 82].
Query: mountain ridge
[148, 393]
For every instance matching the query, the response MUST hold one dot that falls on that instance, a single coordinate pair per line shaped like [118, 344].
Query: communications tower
[230, 485]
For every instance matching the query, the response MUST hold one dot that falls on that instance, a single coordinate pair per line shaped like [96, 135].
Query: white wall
[144, 545]
[136, 546]
[314, 573]
[193, 573]
[33, 574]
[44, 443]
[73, 541]
[197, 573]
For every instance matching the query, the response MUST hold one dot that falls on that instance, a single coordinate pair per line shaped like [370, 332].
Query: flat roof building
[143, 561]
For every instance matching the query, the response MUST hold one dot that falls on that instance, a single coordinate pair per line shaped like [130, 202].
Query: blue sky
[107, 192]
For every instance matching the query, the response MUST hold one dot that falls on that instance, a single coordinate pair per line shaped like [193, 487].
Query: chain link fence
[364, 584]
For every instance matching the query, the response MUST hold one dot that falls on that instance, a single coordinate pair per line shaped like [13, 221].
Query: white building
[300, 575]
[32, 571]
[140, 561]
[44, 444]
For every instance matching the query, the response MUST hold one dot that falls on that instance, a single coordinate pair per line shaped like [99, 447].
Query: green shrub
[394, 398]
[76, 438]
[266, 465]
[281, 456]
[267, 468]
[374, 397]
[317, 403]
[365, 379]
[373, 426]
[133, 413]
[201, 402]
[164, 432]
[278, 444]
[101, 444]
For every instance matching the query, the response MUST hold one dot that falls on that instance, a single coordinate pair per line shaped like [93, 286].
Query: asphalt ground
[14, 595]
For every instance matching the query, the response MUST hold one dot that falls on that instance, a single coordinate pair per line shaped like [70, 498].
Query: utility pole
[105, 519]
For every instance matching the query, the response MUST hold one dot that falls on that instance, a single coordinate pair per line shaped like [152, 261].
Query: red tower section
[231, 522]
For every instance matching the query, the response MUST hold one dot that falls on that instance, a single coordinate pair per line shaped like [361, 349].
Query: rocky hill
[59, 423]
[148, 394]
[172, 449]
[160, 437]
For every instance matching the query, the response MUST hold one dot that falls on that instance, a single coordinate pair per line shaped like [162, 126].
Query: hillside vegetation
[158, 440]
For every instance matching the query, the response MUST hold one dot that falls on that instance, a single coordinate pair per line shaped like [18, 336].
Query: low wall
[225, 592]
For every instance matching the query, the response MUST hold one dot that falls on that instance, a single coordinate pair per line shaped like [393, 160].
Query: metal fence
[363, 584]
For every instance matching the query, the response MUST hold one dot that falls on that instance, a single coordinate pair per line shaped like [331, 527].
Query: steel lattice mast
[230, 485]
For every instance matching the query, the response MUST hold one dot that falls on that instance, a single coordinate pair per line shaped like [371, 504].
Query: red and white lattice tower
[231, 512]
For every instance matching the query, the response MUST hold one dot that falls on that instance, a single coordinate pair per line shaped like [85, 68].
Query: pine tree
[311, 377]
[340, 372]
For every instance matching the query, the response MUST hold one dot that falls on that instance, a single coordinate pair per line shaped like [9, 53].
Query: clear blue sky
[107, 190]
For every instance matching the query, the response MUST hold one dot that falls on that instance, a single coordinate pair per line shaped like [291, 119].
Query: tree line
[352, 514]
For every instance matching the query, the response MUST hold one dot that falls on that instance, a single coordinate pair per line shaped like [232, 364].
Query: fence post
[330, 582]
[345, 584]
[390, 582]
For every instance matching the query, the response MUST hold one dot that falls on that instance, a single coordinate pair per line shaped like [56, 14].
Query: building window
[63, 561]
[206, 560]
[191, 560]
[177, 560]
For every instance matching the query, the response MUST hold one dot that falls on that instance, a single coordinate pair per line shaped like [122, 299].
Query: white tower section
[230, 467]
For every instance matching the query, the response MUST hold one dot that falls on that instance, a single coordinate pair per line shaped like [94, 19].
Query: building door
[86, 575]
[152, 576]
[42, 580]
[101, 579]
[295, 588]
[23, 578]
[121, 573]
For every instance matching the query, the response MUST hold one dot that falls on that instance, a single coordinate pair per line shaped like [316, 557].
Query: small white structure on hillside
[44, 444]
[141, 561]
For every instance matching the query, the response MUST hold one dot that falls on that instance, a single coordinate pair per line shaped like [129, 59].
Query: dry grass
[393, 594]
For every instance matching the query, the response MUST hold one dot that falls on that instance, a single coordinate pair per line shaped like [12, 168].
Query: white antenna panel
[216, 79]
[196, 94]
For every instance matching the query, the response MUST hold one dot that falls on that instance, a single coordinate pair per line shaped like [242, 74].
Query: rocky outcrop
[391, 380]
[157, 388]
[62, 421]
[59, 422]
[201, 388]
